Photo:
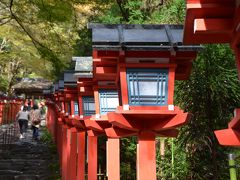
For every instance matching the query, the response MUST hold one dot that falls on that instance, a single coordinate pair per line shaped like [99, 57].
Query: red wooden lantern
[139, 69]
[86, 108]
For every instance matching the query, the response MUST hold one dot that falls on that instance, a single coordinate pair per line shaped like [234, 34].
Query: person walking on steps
[35, 116]
[23, 117]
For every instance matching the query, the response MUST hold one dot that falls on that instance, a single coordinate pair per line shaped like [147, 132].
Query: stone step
[22, 164]
[25, 168]
[23, 160]
[10, 172]
[29, 172]
[6, 177]
[26, 177]
[26, 159]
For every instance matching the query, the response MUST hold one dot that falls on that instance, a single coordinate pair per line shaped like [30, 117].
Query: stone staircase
[26, 159]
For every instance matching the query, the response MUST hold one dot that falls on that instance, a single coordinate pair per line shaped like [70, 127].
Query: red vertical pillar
[55, 125]
[48, 118]
[146, 154]
[59, 138]
[11, 111]
[72, 155]
[113, 159]
[14, 110]
[67, 153]
[81, 136]
[5, 112]
[11, 114]
[32, 101]
[54, 121]
[92, 157]
[63, 106]
[72, 107]
[64, 150]
[1, 112]
[66, 106]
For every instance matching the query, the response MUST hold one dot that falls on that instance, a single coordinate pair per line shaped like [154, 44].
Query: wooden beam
[115, 132]
[176, 121]
[213, 25]
[235, 122]
[120, 121]
[168, 133]
[228, 137]
[93, 125]
[106, 70]
[209, 3]
[203, 11]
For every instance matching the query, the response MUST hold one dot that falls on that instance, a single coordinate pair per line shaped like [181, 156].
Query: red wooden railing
[8, 125]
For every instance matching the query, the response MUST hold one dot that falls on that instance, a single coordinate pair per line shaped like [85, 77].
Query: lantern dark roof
[139, 37]
[83, 64]
[69, 79]
[50, 90]
[56, 87]
[2, 94]
[47, 91]
[61, 85]
[83, 67]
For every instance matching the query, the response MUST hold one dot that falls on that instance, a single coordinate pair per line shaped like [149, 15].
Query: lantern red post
[113, 158]
[92, 157]
[72, 154]
[146, 155]
[64, 152]
[81, 136]
[1, 112]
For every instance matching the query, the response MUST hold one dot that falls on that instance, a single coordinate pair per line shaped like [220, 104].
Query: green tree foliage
[172, 165]
[49, 25]
[10, 67]
[83, 46]
[171, 12]
[18, 58]
[128, 158]
[52, 26]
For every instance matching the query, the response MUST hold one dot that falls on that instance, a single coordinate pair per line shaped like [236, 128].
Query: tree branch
[36, 43]
[6, 21]
[124, 14]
